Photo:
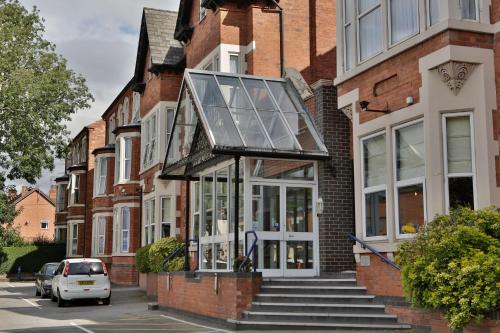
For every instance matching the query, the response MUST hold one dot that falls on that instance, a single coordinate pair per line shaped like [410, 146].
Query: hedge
[30, 257]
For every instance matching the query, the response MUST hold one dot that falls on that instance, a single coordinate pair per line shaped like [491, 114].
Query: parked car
[81, 279]
[43, 279]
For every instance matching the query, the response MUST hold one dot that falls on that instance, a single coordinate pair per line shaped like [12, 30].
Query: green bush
[142, 259]
[30, 257]
[453, 265]
[160, 250]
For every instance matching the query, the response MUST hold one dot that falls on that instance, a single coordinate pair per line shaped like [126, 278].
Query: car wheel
[52, 297]
[106, 301]
[37, 292]
[43, 292]
[60, 302]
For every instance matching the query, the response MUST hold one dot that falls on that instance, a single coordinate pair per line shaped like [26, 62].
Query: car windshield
[85, 268]
[51, 270]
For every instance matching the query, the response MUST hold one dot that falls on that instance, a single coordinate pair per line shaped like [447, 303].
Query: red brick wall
[123, 271]
[235, 293]
[379, 278]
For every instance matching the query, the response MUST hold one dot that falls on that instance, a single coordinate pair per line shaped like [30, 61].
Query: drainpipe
[186, 229]
[236, 205]
[280, 13]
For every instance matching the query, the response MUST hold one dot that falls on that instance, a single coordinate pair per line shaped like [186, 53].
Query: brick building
[35, 219]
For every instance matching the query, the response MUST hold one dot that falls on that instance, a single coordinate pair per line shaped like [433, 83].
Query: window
[348, 34]
[404, 20]
[120, 115]
[234, 63]
[169, 128]
[123, 158]
[44, 224]
[196, 210]
[409, 166]
[101, 165]
[75, 189]
[149, 138]
[166, 217]
[125, 111]
[203, 11]
[458, 139]
[83, 150]
[433, 11]
[149, 221]
[374, 186]
[74, 238]
[60, 235]
[60, 198]
[136, 101]
[370, 34]
[125, 229]
[100, 235]
[469, 9]
[111, 128]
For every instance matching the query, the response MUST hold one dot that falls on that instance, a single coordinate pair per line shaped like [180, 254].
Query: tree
[38, 94]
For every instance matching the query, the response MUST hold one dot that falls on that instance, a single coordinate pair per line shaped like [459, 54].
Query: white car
[81, 279]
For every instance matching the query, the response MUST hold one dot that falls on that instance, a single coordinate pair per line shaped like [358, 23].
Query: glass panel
[404, 19]
[299, 214]
[266, 208]
[221, 216]
[434, 12]
[279, 169]
[301, 128]
[410, 153]
[268, 254]
[280, 94]
[221, 255]
[374, 161]
[243, 112]
[468, 9]
[234, 63]
[461, 192]
[207, 205]
[299, 255]
[241, 221]
[411, 208]
[370, 34]
[128, 157]
[364, 5]
[206, 256]
[165, 210]
[348, 50]
[375, 214]
[165, 230]
[458, 137]
[241, 251]
[348, 10]
[219, 119]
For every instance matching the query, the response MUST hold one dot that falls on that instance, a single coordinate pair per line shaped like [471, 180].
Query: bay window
[370, 34]
[166, 217]
[409, 166]
[111, 128]
[149, 221]
[101, 165]
[74, 238]
[136, 107]
[403, 19]
[374, 186]
[125, 229]
[100, 235]
[75, 189]
[60, 198]
[149, 141]
[169, 128]
[459, 166]
[433, 12]
[469, 9]
[125, 111]
[123, 160]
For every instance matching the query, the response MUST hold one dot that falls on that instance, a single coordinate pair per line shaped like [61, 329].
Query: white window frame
[98, 220]
[136, 105]
[358, 19]
[344, 26]
[169, 131]
[149, 236]
[149, 139]
[446, 174]
[122, 230]
[121, 159]
[72, 238]
[240, 65]
[428, 12]
[99, 176]
[373, 189]
[170, 219]
[111, 128]
[60, 198]
[477, 11]
[75, 186]
[125, 112]
[42, 222]
[407, 182]
[389, 23]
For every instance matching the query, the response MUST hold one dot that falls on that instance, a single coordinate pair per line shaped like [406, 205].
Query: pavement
[22, 311]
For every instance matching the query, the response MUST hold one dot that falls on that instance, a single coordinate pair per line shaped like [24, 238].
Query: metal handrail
[251, 252]
[364, 245]
[177, 252]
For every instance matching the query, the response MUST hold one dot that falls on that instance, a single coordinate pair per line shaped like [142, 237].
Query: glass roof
[243, 115]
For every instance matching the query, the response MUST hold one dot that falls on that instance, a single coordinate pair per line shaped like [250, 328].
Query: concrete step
[308, 298]
[309, 325]
[318, 307]
[313, 290]
[309, 281]
[299, 317]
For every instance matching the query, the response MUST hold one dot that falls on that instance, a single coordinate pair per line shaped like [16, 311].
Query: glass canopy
[241, 115]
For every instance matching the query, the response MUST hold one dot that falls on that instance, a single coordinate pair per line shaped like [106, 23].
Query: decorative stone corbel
[347, 111]
[454, 74]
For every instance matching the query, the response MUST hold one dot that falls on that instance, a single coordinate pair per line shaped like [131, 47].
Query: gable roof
[157, 34]
[20, 197]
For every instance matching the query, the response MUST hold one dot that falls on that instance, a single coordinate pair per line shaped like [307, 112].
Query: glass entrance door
[285, 221]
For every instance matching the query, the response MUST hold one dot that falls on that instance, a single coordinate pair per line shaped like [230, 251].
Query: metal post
[236, 204]
[186, 233]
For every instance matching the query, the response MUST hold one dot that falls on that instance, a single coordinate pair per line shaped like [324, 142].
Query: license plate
[86, 283]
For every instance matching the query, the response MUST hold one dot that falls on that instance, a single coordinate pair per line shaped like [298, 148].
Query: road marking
[31, 303]
[11, 285]
[81, 328]
[197, 325]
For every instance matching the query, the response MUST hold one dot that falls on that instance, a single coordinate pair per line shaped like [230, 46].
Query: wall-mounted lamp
[364, 107]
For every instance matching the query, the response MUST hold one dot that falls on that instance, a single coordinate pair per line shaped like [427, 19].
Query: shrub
[42, 240]
[453, 265]
[10, 237]
[247, 267]
[142, 259]
[160, 250]
[30, 257]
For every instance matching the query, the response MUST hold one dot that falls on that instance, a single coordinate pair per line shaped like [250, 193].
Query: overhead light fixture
[364, 107]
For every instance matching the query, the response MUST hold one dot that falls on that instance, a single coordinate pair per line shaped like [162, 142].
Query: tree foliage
[38, 94]
[453, 265]
[162, 248]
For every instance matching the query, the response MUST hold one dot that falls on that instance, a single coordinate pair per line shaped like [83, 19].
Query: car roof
[77, 260]
[53, 263]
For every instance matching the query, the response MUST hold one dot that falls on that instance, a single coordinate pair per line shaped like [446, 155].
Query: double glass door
[284, 218]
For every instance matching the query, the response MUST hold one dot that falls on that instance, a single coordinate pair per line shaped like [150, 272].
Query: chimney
[53, 192]
[11, 192]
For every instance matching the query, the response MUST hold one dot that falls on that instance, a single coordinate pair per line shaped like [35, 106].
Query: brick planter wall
[379, 278]
[195, 293]
[123, 271]
[152, 285]
[143, 281]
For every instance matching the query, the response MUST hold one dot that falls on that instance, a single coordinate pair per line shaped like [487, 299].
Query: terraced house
[311, 136]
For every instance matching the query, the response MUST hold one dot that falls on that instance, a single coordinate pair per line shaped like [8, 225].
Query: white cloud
[99, 40]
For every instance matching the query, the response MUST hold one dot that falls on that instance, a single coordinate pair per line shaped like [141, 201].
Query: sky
[99, 40]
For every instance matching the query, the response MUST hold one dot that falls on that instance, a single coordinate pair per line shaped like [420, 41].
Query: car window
[42, 270]
[50, 270]
[85, 268]
[60, 268]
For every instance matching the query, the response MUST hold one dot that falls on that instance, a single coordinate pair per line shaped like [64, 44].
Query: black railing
[374, 251]
[179, 250]
[251, 252]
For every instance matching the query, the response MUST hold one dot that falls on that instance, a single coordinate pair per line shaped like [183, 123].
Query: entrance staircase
[317, 303]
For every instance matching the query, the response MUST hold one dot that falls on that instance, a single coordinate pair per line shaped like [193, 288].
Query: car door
[57, 277]
[39, 277]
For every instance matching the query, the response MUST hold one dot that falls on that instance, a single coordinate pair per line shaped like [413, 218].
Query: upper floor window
[136, 107]
[99, 235]
[120, 115]
[111, 128]
[74, 186]
[203, 11]
[169, 129]
[123, 160]
[60, 198]
[370, 35]
[73, 236]
[44, 224]
[469, 9]
[125, 111]
[403, 19]
[121, 231]
[166, 217]
[83, 150]
[149, 140]
[433, 11]
[234, 63]
[101, 166]
[149, 221]
[348, 34]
